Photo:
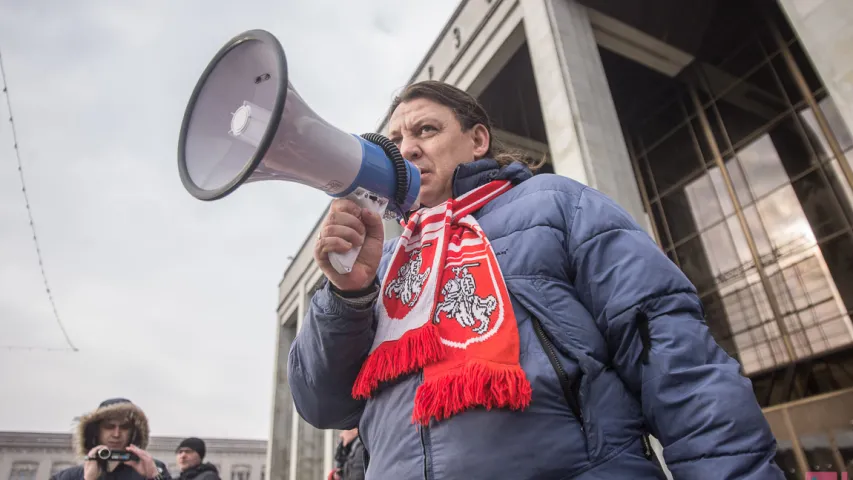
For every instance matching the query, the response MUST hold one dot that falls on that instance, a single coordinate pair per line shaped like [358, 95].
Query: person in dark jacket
[116, 424]
[521, 327]
[349, 457]
[189, 456]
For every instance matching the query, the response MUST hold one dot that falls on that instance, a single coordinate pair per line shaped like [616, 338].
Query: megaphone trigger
[343, 262]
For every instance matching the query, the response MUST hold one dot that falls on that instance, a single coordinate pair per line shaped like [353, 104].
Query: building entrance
[744, 166]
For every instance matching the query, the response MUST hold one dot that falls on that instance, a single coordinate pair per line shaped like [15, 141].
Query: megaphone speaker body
[245, 123]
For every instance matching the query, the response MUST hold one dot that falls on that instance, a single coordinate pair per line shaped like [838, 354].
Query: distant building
[725, 128]
[37, 456]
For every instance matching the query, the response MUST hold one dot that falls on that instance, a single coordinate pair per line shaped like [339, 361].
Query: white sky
[170, 300]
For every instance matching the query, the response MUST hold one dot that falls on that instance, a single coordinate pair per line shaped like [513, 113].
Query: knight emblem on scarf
[461, 303]
[410, 280]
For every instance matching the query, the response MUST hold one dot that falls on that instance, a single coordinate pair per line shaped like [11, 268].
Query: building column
[278, 452]
[5, 464]
[43, 472]
[294, 444]
[328, 450]
[227, 465]
[295, 418]
[825, 30]
[584, 134]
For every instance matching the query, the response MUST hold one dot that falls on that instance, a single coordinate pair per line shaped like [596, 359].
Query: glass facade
[746, 195]
[737, 158]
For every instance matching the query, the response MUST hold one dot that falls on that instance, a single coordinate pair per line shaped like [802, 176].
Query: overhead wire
[36, 243]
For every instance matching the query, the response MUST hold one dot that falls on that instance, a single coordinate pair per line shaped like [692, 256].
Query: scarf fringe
[414, 350]
[476, 383]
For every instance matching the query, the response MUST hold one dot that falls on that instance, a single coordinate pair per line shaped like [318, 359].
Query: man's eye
[428, 128]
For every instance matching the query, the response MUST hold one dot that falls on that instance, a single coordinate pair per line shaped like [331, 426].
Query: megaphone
[246, 123]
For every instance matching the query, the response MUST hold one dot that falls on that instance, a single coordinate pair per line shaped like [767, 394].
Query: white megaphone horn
[245, 122]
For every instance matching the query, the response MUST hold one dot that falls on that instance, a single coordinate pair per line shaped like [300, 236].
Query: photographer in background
[119, 425]
[189, 456]
[349, 457]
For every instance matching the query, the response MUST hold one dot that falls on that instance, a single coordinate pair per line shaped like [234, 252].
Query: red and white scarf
[444, 308]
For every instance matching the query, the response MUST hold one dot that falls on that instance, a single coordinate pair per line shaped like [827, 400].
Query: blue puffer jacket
[622, 324]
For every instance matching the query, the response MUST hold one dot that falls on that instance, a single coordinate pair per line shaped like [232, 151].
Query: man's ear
[482, 140]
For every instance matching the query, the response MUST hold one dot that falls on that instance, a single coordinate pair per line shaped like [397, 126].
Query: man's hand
[92, 468]
[347, 225]
[145, 466]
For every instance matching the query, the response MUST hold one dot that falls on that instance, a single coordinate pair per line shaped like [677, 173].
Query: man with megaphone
[521, 326]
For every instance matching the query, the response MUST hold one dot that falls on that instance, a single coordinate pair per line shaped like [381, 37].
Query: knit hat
[194, 444]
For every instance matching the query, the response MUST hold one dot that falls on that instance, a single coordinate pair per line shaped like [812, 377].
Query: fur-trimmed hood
[86, 434]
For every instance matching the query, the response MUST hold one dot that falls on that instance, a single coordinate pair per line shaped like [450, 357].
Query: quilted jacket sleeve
[694, 399]
[325, 359]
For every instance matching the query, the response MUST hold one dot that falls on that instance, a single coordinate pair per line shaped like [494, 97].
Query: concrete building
[725, 128]
[37, 456]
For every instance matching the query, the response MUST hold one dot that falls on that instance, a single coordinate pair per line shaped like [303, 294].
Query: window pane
[836, 125]
[820, 208]
[846, 193]
[23, 471]
[738, 182]
[702, 199]
[658, 218]
[694, 264]
[756, 334]
[680, 215]
[762, 168]
[747, 105]
[673, 160]
[784, 223]
[241, 472]
[725, 263]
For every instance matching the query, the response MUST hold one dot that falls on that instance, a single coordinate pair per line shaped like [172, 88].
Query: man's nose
[410, 149]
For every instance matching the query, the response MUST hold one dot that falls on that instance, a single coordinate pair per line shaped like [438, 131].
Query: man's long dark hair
[468, 112]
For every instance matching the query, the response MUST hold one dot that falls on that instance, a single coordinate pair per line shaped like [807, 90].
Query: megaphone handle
[343, 262]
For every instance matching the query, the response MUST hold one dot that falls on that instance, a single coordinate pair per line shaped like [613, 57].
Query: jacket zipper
[647, 447]
[424, 432]
[426, 456]
[569, 390]
[365, 453]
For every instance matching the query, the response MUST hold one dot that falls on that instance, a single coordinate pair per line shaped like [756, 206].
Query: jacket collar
[195, 471]
[471, 175]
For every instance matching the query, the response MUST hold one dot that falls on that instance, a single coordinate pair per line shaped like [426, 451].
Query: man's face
[429, 135]
[115, 433]
[187, 458]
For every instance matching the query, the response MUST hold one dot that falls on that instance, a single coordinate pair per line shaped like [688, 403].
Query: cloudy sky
[171, 301]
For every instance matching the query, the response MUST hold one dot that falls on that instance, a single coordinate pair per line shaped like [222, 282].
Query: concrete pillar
[278, 452]
[225, 471]
[5, 464]
[583, 129]
[294, 443]
[43, 472]
[825, 29]
[296, 419]
[328, 450]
